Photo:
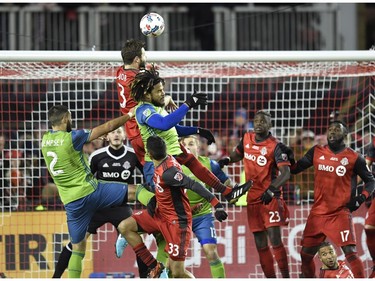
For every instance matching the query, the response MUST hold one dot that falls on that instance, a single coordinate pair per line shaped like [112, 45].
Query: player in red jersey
[370, 219]
[332, 268]
[336, 167]
[169, 213]
[263, 159]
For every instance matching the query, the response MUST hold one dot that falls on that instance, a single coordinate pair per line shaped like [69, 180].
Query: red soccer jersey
[343, 271]
[261, 161]
[172, 202]
[334, 176]
[124, 79]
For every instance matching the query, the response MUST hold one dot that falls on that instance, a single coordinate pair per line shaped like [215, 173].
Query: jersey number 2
[53, 163]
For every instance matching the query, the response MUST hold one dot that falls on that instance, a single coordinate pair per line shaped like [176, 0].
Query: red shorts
[139, 148]
[338, 228]
[260, 216]
[370, 219]
[177, 239]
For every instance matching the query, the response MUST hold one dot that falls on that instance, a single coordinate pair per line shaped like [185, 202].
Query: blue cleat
[120, 246]
[164, 274]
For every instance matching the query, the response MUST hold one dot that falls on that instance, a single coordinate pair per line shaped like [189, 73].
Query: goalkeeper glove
[356, 202]
[270, 193]
[151, 206]
[207, 135]
[289, 152]
[196, 99]
[223, 162]
[220, 213]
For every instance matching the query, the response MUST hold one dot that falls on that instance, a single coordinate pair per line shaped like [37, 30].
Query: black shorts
[109, 215]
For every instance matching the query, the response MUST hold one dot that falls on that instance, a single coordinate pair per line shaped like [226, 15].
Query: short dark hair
[324, 244]
[144, 82]
[341, 123]
[131, 49]
[156, 147]
[56, 113]
[264, 112]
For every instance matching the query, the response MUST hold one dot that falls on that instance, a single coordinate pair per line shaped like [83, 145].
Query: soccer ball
[152, 24]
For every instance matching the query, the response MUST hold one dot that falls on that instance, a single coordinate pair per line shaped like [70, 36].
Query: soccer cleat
[237, 191]
[120, 246]
[156, 271]
[164, 274]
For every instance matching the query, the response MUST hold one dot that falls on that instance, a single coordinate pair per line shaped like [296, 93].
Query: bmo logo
[340, 170]
[250, 157]
[261, 160]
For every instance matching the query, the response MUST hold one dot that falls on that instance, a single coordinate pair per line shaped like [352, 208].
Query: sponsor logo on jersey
[340, 170]
[261, 161]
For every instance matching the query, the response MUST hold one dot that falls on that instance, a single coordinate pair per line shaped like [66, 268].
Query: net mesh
[301, 96]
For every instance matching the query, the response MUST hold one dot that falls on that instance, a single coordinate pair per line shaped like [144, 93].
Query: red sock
[356, 265]
[282, 260]
[371, 243]
[201, 172]
[144, 254]
[308, 265]
[266, 261]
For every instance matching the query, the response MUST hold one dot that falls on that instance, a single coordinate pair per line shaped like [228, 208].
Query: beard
[157, 103]
[69, 127]
[142, 64]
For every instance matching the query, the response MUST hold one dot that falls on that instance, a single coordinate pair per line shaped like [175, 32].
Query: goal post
[302, 90]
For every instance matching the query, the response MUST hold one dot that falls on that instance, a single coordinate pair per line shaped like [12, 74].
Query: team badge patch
[178, 177]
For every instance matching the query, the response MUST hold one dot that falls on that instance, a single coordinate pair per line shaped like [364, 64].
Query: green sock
[75, 264]
[217, 269]
[143, 195]
[161, 255]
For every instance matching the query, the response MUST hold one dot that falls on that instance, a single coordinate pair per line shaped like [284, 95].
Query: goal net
[302, 95]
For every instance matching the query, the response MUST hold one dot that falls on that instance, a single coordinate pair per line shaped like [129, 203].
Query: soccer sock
[371, 243]
[217, 269]
[75, 264]
[282, 260]
[266, 261]
[356, 265]
[145, 255]
[142, 268]
[206, 176]
[143, 195]
[161, 255]
[63, 261]
[308, 265]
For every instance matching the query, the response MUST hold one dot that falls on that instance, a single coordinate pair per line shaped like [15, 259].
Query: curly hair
[144, 83]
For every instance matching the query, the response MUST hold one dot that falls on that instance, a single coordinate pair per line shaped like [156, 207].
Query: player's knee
[211, 253]
[126, 226]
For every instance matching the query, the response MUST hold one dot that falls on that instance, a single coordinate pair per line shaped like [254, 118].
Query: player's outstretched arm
[110, 126]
